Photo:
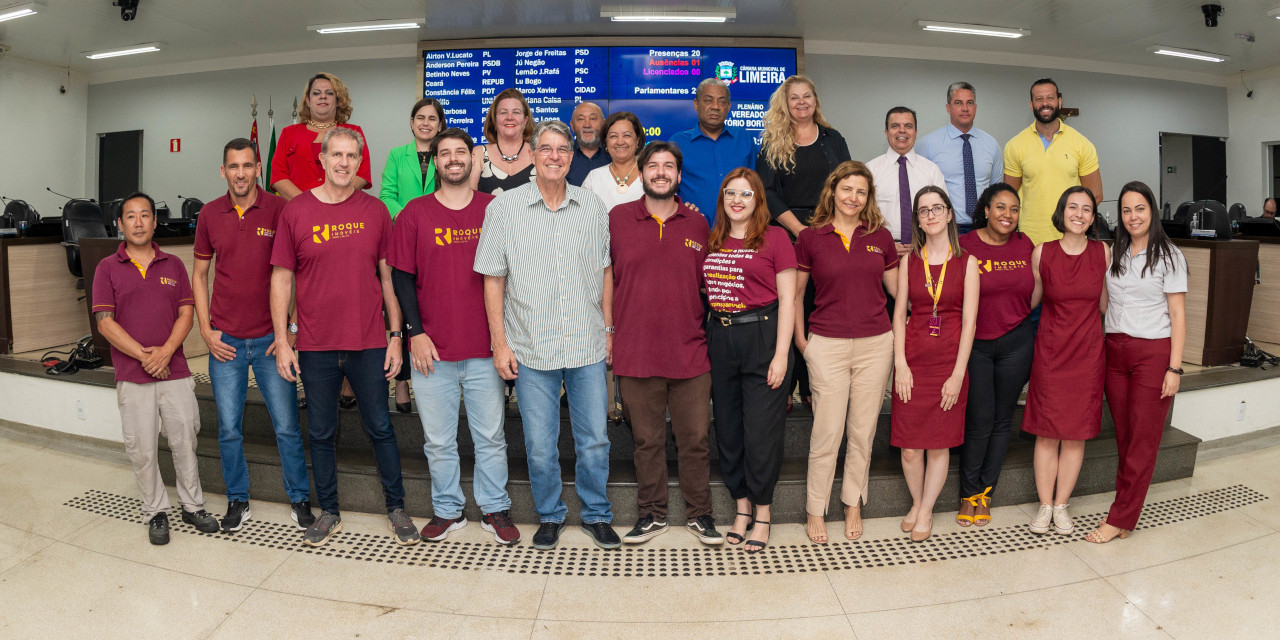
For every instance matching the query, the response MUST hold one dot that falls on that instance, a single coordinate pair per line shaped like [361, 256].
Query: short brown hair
[491, 128]
[618, 116]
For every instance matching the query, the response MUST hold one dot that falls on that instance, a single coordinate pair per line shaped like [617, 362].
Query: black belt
[745, 317]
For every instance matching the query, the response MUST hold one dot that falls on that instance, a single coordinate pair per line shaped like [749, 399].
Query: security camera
[128, 9]
[1211, 13]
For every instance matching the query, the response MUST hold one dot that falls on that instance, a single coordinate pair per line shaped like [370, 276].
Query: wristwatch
[608, 329]
[397, 334]
[293, 328]
[1172, 370]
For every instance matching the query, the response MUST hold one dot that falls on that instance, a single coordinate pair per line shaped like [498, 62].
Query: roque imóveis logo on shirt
[989, 266]
[326, 232]
[447, 236]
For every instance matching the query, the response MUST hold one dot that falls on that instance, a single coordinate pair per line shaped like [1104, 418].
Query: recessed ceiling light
[973, 29]
[1187, 53]
[123, 51]
[16, 11]
[640, 13]
[373, 25]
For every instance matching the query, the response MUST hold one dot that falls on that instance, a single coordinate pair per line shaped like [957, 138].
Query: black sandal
[731, 535]
[756, 546]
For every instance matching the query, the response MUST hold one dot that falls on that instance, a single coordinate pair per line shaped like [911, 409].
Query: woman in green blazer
[410, 170]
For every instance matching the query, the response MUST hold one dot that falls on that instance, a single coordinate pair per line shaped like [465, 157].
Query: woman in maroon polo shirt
[1001, 359]
[931, 353]
[849, 350]
[296, 165]
[749, 273]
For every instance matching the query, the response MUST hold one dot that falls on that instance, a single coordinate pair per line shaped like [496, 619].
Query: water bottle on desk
[22, 228]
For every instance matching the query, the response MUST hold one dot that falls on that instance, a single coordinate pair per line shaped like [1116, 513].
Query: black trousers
[749, 416]
[998, 369]
[801, 374]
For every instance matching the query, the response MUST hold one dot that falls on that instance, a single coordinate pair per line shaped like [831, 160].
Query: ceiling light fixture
[973, 29]
[373, 25]
[16, 11]
[1274, 13]
[634, 13]
[1187, 53]
[123, 51]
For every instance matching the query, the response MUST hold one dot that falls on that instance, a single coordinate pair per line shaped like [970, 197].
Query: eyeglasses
[546, 150]
[746, 194]
[931, 212]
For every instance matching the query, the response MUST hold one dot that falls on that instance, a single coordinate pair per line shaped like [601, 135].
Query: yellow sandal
[965, 517]
[982, 503]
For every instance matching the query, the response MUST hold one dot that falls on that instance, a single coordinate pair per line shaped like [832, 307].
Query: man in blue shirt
[711, 149]
[968, 156]
[588, 153]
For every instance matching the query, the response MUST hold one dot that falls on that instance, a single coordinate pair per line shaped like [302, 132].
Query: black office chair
[1210, 215]
[18, 211]
[1237, 212]
[191, 208]
[1181, 212]
[1101, 229]
[80, 219]
[111, 217]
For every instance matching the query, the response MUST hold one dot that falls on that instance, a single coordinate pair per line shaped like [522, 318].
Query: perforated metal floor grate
[694, 562]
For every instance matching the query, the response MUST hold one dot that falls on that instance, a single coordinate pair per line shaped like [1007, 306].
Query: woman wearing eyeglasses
[1064, 401]
[750, 276]
[931, 353]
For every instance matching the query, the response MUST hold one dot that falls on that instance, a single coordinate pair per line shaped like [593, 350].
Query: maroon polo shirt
[241, 305]
[333, 251]
[848, 281]
[739, 279]
[145, 304]
[1004, 273]
[657, 311]
[438, 246]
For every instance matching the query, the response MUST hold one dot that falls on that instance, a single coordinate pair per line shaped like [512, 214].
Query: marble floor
[67, 571]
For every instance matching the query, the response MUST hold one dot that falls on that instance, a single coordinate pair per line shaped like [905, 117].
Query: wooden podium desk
[92, 251]
[1219, 295]
[1264, 318]
[38, 296]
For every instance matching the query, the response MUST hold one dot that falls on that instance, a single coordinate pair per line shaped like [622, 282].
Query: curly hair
[778, 143]
[343, 112]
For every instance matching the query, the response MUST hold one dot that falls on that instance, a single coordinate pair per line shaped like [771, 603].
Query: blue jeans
[322, 373]
[230, 384]
[478, 383]
[539, 393]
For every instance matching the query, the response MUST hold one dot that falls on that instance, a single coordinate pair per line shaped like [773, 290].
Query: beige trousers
[146, 411]
[848, 378]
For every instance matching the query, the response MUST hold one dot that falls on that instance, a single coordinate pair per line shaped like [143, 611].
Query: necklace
[622, 182]
[322, 127]
[506, 157]
[935, 322]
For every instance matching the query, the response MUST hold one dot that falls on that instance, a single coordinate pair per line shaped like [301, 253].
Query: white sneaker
[1040, 524]
[1061, 521]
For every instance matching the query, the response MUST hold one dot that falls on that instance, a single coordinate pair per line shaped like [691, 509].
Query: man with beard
[1046, 159]
[433, 247]
[657, 248]
[240, 228]
[712, 148]
[588, 153]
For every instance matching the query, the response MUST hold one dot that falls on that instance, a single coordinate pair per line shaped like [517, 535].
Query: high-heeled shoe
[982, 508]
[968, 506]
[756, 546]
[921, 536]
[402, 407]
[346, 402]
[735, 538]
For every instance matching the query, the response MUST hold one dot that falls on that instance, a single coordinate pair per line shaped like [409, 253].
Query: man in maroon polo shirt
[657, 245]
[142, 303]
[236, 232]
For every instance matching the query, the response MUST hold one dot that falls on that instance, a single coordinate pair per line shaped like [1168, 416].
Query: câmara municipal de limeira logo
[727, 72]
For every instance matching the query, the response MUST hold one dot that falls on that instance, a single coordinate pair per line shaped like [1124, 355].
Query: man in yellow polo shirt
[1046, 159]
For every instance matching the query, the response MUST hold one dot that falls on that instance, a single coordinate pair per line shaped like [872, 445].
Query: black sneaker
[237, 515]
[158, 529]
[704, 527]
[603, 535]
[325, 526]
[302, 514]
[403, 527]
[547, 535]
[646, 528]
[202, 520]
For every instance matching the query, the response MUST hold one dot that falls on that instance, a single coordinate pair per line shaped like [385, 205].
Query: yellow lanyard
[936, 294]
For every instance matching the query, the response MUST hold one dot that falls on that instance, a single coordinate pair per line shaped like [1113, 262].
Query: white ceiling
[1106, 31]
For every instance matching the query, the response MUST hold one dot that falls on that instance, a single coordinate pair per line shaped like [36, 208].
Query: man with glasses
[967, 155]
[900, 173]
[711, 149]
[544, 254]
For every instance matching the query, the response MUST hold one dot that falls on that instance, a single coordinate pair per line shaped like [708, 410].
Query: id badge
[935, 326]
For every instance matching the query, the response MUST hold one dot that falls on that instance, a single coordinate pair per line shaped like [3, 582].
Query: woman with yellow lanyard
[931, 353]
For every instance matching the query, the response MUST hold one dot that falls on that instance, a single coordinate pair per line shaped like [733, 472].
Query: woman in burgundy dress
[931, 353]
[1064, 401]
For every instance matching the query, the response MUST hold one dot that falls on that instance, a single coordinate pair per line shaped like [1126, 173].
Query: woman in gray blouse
[1146, 330]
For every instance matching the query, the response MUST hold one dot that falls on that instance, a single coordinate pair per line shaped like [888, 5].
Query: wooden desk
[38, 296]
[1264, 317]
[92, 251]
[1219, 294]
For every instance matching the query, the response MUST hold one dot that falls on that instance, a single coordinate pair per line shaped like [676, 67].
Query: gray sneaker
[325, 526]
[402, 525]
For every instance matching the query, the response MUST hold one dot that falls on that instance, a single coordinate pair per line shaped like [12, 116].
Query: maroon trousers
[1135, 374]
[648, 400]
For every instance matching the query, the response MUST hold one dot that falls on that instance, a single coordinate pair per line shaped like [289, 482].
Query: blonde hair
[826, 211]
[343, 112]
[778, 143]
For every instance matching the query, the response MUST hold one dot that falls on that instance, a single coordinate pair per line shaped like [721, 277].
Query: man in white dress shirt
[900, 173]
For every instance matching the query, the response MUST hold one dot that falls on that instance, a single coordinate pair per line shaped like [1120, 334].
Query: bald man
[588, 153]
